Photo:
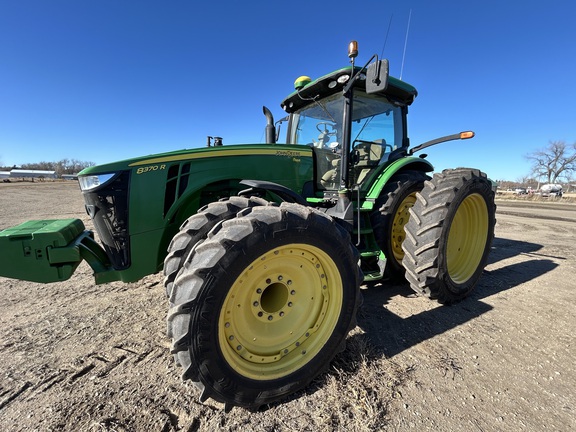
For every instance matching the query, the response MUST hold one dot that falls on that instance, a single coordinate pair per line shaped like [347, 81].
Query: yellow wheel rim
[467, 238]
[280, 312]
[398, 234]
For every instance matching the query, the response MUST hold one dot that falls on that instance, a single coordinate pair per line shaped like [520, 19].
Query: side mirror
[377, 76]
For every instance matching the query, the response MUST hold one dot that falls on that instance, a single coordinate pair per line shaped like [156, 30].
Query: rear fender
[377, 183]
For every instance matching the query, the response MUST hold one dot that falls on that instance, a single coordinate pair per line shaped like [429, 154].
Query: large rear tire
[394, 203]
[261, 307]
[449, 234]
[196, 228]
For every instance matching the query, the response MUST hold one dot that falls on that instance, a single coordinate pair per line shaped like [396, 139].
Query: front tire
[449, 234]
[196, 228]
[263, 304]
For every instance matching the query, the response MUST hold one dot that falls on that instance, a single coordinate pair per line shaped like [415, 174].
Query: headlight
[90, 182]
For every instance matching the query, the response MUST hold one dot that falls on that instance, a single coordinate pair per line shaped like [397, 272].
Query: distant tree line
[64, 166]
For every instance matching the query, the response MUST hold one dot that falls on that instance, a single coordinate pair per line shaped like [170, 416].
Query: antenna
[386, 38]
[405, 43]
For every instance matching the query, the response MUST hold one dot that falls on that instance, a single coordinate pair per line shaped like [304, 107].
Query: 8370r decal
[150, 168]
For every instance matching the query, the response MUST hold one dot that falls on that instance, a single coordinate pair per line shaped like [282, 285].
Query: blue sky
[112, 79]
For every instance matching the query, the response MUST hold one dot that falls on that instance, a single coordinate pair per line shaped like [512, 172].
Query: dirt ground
[79, 357]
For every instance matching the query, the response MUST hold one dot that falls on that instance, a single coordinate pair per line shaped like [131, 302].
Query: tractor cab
[377, 131]
[353, 126]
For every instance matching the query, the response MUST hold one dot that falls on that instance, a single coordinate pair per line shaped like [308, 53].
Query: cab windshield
[376, 131]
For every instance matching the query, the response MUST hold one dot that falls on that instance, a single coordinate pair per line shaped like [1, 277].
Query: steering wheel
[325, 130]
[323, 138]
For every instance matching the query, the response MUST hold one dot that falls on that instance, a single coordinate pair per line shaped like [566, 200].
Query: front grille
[108, 208]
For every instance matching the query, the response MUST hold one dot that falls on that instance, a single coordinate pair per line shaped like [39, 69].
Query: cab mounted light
[353, 50]
[343, 78]
[461, 135]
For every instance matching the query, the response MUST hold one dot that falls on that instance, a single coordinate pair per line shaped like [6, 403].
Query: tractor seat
[370, 153]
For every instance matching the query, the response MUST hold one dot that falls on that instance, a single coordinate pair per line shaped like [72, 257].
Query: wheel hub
[280, 311]
[467, 238]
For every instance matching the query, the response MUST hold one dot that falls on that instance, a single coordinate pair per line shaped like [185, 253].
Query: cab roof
[397, 91]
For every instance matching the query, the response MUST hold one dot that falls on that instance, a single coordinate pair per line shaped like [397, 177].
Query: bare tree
[555, 162]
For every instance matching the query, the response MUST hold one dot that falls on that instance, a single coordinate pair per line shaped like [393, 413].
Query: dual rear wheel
[436, 232]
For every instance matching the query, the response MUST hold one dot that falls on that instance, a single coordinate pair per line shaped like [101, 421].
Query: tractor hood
[173, 156]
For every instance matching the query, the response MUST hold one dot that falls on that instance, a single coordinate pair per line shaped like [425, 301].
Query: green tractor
[264, 246]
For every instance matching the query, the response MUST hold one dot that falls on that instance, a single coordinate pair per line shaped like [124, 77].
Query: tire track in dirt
[96, 365]
[12, 395]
